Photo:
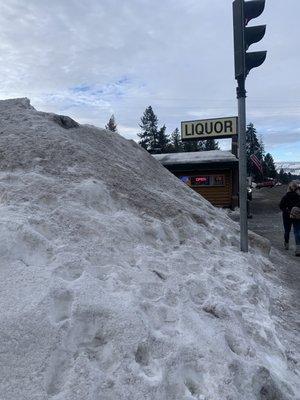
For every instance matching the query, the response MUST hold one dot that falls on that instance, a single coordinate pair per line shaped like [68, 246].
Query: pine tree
[111, 126]
[270, 169]
[281, 175]
[262, 147]
[163, 140]
[149, 134]
[211, 144]
[201, 145]
[176, 144]
[193, 145]
[253, 146]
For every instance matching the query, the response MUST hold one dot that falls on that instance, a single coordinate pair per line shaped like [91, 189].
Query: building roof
[196, 157]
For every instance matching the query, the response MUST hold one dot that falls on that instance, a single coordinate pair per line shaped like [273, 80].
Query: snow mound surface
[119, 282]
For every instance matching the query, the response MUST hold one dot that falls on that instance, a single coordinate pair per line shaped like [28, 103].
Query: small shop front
[212, 174]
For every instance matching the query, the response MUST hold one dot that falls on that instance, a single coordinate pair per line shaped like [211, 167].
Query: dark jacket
[289, 200]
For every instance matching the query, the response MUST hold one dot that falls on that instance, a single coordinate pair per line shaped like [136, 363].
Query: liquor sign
[209, 128]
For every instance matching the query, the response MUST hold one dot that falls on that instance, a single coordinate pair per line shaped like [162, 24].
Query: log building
[213, 174]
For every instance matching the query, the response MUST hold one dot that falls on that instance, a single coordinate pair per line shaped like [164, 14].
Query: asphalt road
[267, 218]
[267, 222]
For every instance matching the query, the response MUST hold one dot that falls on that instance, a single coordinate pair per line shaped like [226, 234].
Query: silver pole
[241, 96]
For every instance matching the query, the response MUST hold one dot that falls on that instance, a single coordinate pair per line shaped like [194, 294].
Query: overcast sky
[89, 59]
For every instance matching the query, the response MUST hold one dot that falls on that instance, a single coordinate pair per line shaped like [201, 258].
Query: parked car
[270, 184]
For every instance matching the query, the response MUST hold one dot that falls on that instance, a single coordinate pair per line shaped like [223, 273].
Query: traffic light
[243, 12]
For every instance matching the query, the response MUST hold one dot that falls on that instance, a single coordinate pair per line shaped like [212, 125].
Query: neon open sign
[201, 179]
[204, 180]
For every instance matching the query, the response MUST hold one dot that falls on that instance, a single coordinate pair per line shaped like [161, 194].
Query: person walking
[289, 200]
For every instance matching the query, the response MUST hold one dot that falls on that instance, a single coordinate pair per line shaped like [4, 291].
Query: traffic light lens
[254, 59]
[254, 34]
[253, 9]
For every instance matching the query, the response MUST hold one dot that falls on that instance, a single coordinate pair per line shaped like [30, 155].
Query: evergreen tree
[191, 145]
[201, 145]
[112, 126]
[253, 146]
[176, 144]
[270, 169]
[163, 140]
[211, 144]
[283, 176]
[262, 147]
[149, 134]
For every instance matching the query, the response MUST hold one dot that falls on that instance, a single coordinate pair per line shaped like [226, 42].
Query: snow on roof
[118, 281]
[196, 157]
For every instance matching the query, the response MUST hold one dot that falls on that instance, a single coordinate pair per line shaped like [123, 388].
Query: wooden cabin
[213, 174]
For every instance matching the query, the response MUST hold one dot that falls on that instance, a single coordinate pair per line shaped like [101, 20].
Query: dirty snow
[117, 281]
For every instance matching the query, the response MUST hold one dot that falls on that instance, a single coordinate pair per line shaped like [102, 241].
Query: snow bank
[119, 282]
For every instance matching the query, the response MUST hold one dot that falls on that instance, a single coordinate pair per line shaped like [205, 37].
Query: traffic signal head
[243, 12]
[253, 9]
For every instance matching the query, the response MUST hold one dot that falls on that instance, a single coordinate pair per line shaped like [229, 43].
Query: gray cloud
[274, 138]
[175, 55]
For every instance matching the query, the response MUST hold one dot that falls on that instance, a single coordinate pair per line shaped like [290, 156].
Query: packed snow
[117, 281]
[196, 157]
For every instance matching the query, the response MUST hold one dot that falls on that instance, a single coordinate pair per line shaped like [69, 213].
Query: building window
[218, 180]
[203, 180]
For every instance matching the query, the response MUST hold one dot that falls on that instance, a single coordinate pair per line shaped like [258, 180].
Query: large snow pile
[119, 282]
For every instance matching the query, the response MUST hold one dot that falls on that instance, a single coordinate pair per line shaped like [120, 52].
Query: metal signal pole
[241, 96]
[243, 12]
